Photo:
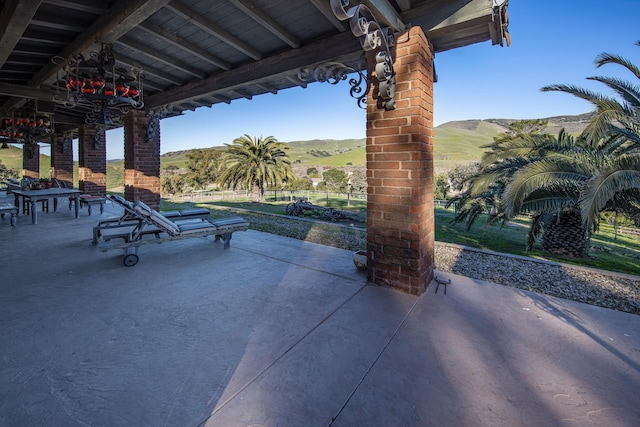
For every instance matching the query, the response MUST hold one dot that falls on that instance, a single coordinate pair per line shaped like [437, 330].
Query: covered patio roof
[196, 53]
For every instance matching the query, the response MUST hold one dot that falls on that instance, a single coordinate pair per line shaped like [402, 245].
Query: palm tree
[565, 182]
[614, 132]
[254, 163]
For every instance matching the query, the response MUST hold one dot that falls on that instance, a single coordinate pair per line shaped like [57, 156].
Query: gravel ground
[618, 292]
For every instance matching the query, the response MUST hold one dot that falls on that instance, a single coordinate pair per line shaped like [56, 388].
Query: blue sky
[552, 42]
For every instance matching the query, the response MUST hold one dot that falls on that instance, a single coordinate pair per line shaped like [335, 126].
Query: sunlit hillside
[456, 142]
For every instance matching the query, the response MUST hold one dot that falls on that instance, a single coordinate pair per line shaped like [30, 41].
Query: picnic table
[34, 196]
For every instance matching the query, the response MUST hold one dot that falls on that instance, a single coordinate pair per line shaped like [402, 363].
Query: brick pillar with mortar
[62, 159]
[92, 160]
[400, 207]
[31, 160]
[141, 159]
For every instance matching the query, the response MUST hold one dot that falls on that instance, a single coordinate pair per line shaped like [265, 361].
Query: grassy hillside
[456, 142]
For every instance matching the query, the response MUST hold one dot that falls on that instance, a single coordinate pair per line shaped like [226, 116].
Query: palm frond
[622, 174]
[608, 58]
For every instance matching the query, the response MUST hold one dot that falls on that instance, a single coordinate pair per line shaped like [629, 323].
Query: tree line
[256, 165]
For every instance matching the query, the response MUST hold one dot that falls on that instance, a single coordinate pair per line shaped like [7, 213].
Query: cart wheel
[130, 260]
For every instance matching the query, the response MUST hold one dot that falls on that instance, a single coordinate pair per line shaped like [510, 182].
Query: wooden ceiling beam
[184, 45]
[161, 57]
[22, 91]
[14, 20]
[213, 29]
[386, 14]
[296, 81]
[43, 38]
[283, 64]
[267, 22]
[148, 70]
[325, 8]
[57, 22]
[120, 19]
[90, 6]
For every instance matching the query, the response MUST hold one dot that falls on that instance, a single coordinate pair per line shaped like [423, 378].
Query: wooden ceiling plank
[296, 81]
[324, 8]
[386, 14]
[58, 22]
[32, 50]
[404, 5]
[45, 38]
[182, 44]
[266, 87]
[120, 19]
[161, 57]
[148, 70]
[267, 22]
[90, 6]
[22, 91]
[14, 20]
[285, 63]
[213, 29]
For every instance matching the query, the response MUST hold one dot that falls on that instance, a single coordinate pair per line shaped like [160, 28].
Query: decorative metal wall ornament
[335, 72]
[372, 37]
[97, 83]
[152, 127]
[66, 143]
[97, 138]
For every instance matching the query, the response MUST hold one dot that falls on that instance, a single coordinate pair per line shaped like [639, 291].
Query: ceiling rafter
[32, 50]
[285, 63]
[386, 14]
[121, 18]
[296, 81]
[58, 22]
[324, 8]
[14, 20]
[213, 29]
[267, 22]
[90, 6]
[161, 57]
[148, 70]
[266, 87]
[182, 44]
[242, 93]
[44, 38]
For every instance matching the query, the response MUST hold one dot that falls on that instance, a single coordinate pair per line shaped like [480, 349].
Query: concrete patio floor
[280, 332]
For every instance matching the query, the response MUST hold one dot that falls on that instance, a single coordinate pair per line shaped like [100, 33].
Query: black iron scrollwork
[152, 127]
[66, 141]
[97, 138]
[335, 72]
[372, 37]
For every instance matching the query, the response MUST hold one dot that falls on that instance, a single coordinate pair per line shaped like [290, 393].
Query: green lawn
[619, 253]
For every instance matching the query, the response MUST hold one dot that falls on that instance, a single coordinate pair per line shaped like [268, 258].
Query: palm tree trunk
[258, 193]
[566, 236]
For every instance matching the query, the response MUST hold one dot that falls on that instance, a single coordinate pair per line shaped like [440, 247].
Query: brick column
[141, 160]
[62, 159]
[92, 160]
[31, 160]
[400, 215]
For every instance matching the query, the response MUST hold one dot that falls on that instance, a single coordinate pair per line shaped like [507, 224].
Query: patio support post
[400, 216]
[30, 160]
[141, 159]
[92, 160]
[62, 159]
